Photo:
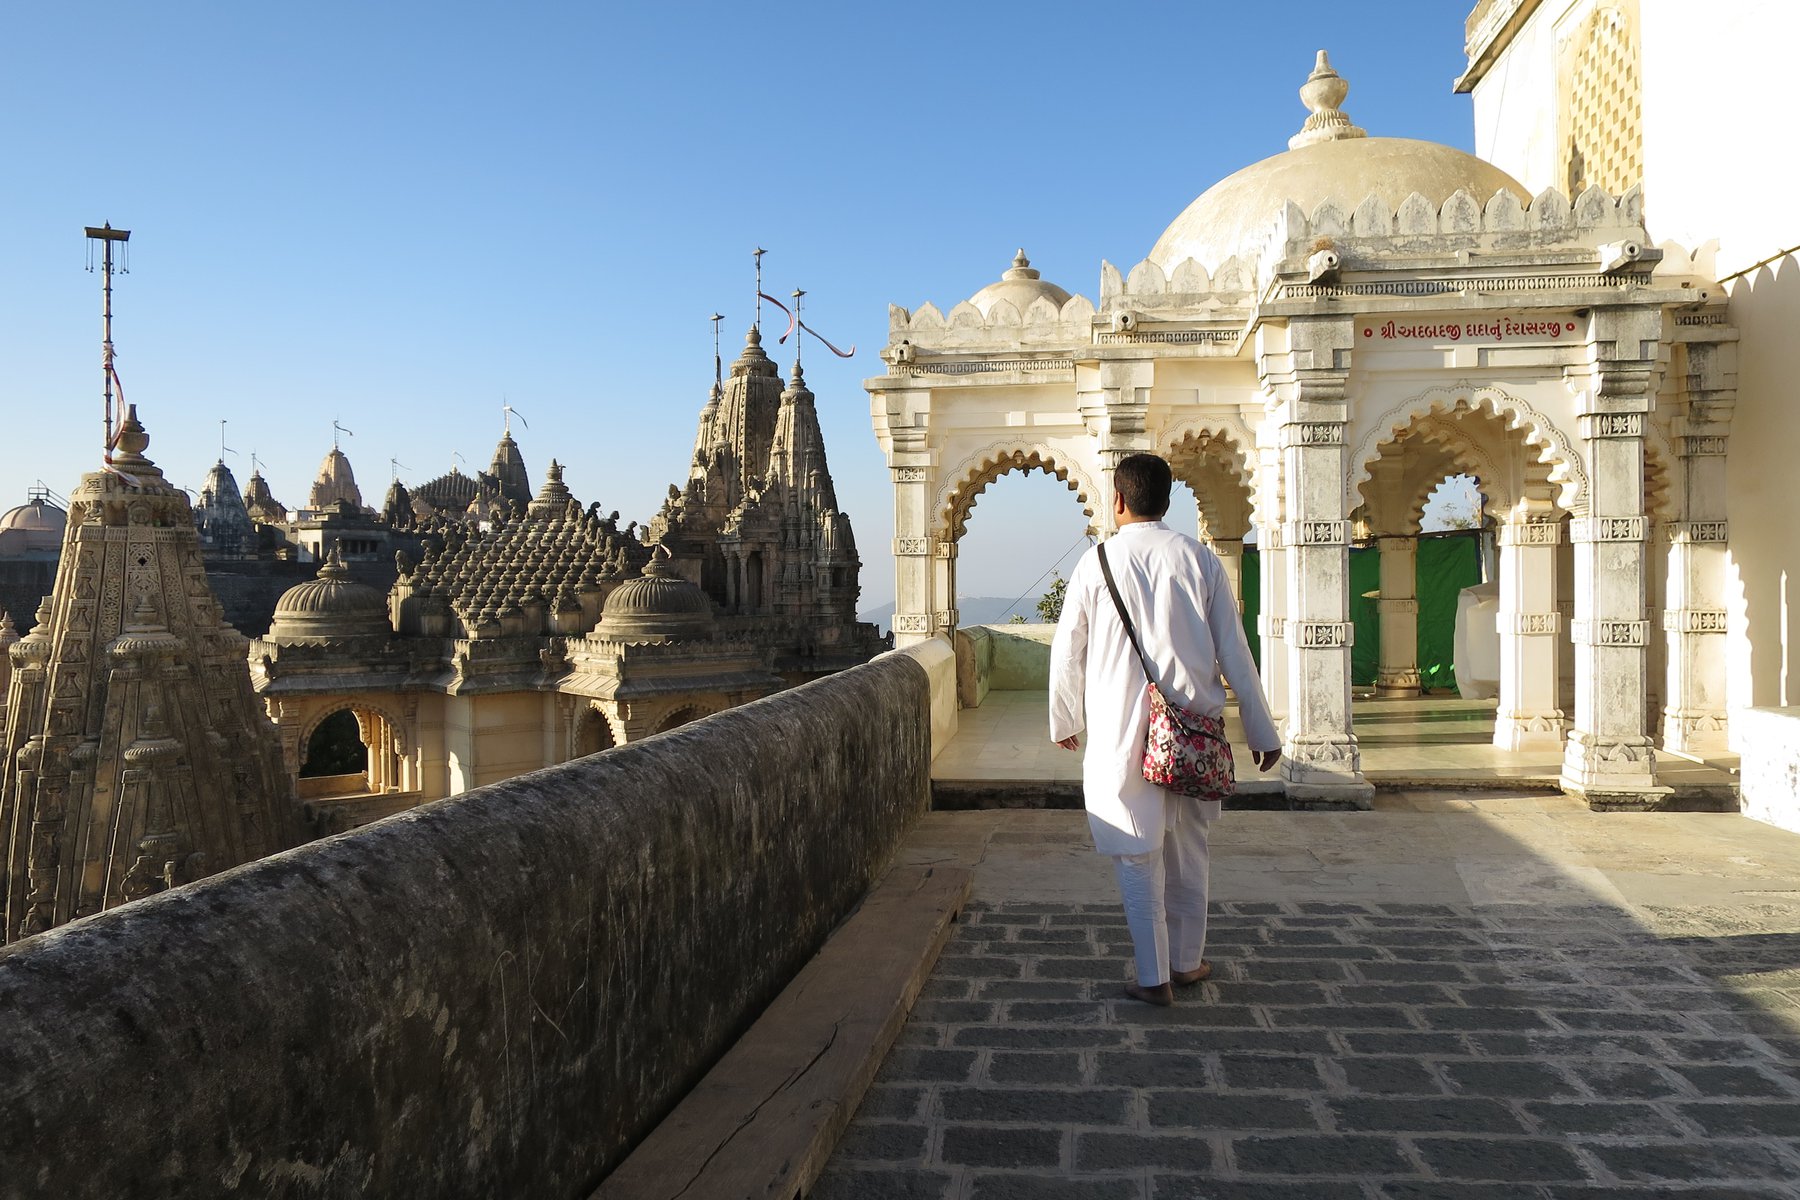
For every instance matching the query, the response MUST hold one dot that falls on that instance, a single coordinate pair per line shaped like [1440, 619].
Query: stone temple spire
[334, 482]
[135, 756]
[508, 471]
[225, 526]
[1322, 93]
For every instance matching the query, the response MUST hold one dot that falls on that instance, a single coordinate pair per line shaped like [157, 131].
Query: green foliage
[1050, 607]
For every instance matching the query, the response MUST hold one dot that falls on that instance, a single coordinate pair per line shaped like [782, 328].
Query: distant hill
[970, 610]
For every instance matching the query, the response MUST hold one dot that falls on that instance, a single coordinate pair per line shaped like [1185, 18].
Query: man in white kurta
[1190, 628]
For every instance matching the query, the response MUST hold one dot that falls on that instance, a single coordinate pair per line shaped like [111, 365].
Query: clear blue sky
[397, 214]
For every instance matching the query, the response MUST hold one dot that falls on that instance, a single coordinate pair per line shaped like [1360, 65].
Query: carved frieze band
[1272, 627]
[1609, 633]
[1531, 533]
[909, 474]
[1696, 531]
[1315, 533]
[945, 548]
[912, 547]
[1397, 604]
[1693, 620]
[1321, 635]
[985, 366]
[1528, 624]
[1702, 445]
[1313, 433]
[946, 618]
[1273, 538]
[1611, 425]
[1453, 287]
[912, 623]
[1171, 337]
[1607, 529]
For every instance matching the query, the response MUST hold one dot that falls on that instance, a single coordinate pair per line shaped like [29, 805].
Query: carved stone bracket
[1530, 533]
[1696, 531]
[1607, 529]
[1611, 425]
[1529, 624]
[1693, 620]
[1312, 433]
[1321, 635]
[1609, 633]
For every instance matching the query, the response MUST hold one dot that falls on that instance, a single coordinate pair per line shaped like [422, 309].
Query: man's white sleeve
[1068, 660]
[1235, 662]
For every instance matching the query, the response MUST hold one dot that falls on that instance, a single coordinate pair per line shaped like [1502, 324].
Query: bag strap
[1119, 603]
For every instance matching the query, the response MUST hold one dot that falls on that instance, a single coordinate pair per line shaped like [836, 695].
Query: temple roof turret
[133, 667]
[334, 482]
[508, 470]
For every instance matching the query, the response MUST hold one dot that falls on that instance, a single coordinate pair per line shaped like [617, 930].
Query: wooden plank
[764, 1120]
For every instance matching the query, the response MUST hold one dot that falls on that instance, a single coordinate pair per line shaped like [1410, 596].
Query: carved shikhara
[1608, 529]
[1693, 620]
[1316, 533]
[1530, 533]
[1609, 633]
[1321, 635]
[912, 547]
[1611, 425]
[1697, 531]
[1312, 433]
[1530, 624]
[912, 623]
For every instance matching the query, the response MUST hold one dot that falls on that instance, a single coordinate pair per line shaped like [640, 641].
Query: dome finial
[1021, 267]
[1322, 93]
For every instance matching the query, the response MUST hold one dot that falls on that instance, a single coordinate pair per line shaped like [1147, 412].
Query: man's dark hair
[1143, 482]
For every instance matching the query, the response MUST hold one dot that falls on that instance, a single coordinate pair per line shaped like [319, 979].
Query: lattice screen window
[1601, 117]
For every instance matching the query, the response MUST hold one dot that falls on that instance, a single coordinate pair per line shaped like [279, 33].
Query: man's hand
[1072, 742]
[1266, 759]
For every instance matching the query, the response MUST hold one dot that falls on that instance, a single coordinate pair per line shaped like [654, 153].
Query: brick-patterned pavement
[1375, 1050]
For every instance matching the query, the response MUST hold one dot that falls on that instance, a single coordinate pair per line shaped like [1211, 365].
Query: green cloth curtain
[1445, 565]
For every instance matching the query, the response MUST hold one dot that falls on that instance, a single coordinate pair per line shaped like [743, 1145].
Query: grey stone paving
[1371, 1049]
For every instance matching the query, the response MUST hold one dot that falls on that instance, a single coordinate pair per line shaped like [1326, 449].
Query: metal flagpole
[106, 235]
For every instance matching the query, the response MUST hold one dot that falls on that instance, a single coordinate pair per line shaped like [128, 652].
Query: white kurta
[1188, 622]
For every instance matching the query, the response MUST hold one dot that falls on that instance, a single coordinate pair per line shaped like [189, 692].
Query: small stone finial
[132, 439]
[1323, 93]
[1021, 267]
[333, 567]
[661, 564]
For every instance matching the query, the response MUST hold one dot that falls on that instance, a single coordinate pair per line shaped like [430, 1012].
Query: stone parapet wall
[1006, 658]
[1770, 771]
[492, 995]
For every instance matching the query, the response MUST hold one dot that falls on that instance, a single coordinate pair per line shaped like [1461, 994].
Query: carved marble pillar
[915, 571]
[1271, 617]
[1231, 557]
[1397, 674]
[1693, 718]
[943, 587]
[1529, 715]
[1609, 758]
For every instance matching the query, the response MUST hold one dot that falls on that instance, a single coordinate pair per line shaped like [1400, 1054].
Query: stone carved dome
[658, 605]
[1329, 159]
[1019, 286]
[35, 525]
[330, 608]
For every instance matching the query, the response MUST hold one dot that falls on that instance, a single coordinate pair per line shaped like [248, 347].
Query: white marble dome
[35, 525]
[1330, 159]
[1019, 286]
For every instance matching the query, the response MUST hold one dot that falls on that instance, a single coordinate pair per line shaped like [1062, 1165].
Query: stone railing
[1006, 658]
[493, 995]
[1770, 765]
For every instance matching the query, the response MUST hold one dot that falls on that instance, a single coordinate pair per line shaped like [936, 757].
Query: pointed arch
[1537, 430]
[981, 469]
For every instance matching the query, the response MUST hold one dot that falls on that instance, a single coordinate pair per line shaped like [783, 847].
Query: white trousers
[1165, 894]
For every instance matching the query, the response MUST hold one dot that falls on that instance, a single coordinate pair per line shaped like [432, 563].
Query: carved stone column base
[1397, 683]
[1529, 730]
[1698, 732]
[1325, 774]
[1612, 774]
